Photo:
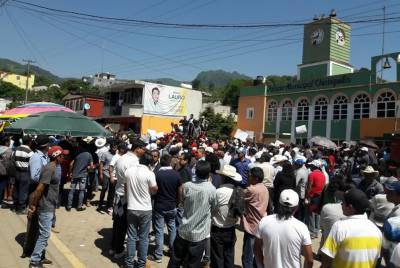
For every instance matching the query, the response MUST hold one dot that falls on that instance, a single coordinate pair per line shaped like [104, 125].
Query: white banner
[164, 100]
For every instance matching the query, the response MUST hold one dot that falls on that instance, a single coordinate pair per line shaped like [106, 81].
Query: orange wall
[377, 127]
[257, 123]
[158, 123]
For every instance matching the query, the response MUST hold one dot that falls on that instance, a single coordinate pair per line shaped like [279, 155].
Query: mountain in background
[216, 79]
[42, 76]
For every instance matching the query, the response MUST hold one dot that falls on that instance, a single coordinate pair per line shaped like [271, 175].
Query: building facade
[329, 98]
[140, 106]
[76, 102]
[17, 79]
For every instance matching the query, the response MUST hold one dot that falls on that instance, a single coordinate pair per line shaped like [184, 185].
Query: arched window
[340, 107]
[302, 110]
[272, 111]
[287, 107]
[361, 106]
[321, 108]
[386, 105]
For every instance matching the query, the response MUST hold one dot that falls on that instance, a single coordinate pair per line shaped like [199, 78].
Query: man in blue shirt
[242, 165]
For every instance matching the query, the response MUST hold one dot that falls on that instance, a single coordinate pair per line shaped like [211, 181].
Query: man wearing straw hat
[369, 185]
[223, 235]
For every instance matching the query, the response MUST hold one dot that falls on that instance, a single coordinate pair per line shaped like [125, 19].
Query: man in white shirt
[281, 237]
[140, 184]
[223, 235]
[130, 159]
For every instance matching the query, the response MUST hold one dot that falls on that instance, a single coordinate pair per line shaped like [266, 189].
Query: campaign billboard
[164, 100]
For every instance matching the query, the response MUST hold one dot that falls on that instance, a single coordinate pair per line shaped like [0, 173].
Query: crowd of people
[281, 196]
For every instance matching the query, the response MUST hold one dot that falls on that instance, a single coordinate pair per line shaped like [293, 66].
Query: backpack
[236, 203]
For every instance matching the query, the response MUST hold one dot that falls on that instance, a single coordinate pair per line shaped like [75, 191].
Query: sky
[69, 47]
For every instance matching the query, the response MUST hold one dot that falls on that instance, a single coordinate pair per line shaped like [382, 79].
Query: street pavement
[83, 241]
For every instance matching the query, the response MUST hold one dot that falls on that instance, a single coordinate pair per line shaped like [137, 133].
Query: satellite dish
[86, 106]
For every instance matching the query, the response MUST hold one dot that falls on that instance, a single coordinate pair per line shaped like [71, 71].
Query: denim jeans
[138, 226]
[248, 259]
[179, 216]
[82, 186]
[104, 188]
[45, 220]
[313, 220]
[159, 218]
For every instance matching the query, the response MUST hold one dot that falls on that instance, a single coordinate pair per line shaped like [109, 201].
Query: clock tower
[326, 49]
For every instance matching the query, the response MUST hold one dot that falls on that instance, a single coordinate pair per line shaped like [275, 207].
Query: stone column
[278, 120]
[349, 120]
[293, 125]
[310, 121]
[329, 118]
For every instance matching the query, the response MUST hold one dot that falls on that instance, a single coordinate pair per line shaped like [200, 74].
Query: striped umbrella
[33, 108]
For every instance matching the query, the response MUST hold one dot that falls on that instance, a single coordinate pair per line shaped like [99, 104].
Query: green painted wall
[270, 127]
[319, 128]
[355, 130]
[285, 127]
[338, 129]
[338, 52]
[337, 69]
[315, 71]
[253, 91]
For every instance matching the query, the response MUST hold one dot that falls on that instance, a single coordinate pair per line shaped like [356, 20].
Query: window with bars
[287, 108]
[250, 113]
[386, 105]
[303, 109]
[272, 111]
[321, 109]
[361, 106]
[340, 108]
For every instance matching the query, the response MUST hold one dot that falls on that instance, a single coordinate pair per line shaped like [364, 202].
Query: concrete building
[140, 105]
[3, 104]
[218, 108]
[94, 104]
[102, 80]
[17, 79]
[329, 98]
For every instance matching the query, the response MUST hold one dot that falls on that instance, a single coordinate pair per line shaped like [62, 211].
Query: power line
[197, 26]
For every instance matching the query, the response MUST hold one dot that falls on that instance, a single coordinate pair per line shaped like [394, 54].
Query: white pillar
[349, 120]
[328, 121]
[373, 110]
[293, 125]
[310, 121]
[278, 120]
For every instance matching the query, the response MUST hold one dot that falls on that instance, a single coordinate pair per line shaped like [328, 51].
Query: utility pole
[383, 40]
[27, 78]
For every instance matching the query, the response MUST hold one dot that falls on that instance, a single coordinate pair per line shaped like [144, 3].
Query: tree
[10, 91]
[230, 95]
[196, 84]
[219, 127]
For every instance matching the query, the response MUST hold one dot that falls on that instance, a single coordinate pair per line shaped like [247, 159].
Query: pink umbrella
[34, 108]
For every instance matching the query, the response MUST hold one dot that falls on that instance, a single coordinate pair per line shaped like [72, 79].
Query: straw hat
[369, 170]
[230, 171]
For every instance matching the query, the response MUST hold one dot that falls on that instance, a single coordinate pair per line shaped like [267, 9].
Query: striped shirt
[199, 199]
[353, 242]
[22, 155]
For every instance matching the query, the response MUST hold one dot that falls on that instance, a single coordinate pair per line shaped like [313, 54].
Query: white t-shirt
[395, 258]
[282, 241]
[124, 162]
[113, 162]
[138, 181]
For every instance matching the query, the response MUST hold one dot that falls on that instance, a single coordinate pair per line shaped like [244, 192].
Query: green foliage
[230, 94]
[215, 79]
[11, 92]
[219, 127]
[277, 81]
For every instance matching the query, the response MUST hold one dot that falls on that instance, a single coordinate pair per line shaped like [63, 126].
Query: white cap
[316, 163]
[209, 150]
[289, 198]
[100, 142]
[365, 149]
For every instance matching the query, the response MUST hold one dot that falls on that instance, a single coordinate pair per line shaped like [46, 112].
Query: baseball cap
[209, 150]
[392, 184]
[289, 198]
[299, 162]
[55, 151]
[365, 149]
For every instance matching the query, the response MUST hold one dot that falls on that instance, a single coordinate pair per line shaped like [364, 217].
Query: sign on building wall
[165, 100]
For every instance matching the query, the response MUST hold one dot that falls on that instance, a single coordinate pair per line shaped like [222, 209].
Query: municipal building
[329, 97]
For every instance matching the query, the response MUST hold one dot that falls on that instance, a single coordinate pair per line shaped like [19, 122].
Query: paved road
[83, 241]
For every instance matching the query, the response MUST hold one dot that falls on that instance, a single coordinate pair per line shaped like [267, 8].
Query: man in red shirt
[316, 183]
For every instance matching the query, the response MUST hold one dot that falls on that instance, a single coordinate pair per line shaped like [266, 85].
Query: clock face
[340, 38]
[317, 36]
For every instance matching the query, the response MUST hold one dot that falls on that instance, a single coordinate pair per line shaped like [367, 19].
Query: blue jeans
[159, 218]
[313, 220]
[45, 220]
[248, 259]
[138, 226]
[82, 186]
[179, 216]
